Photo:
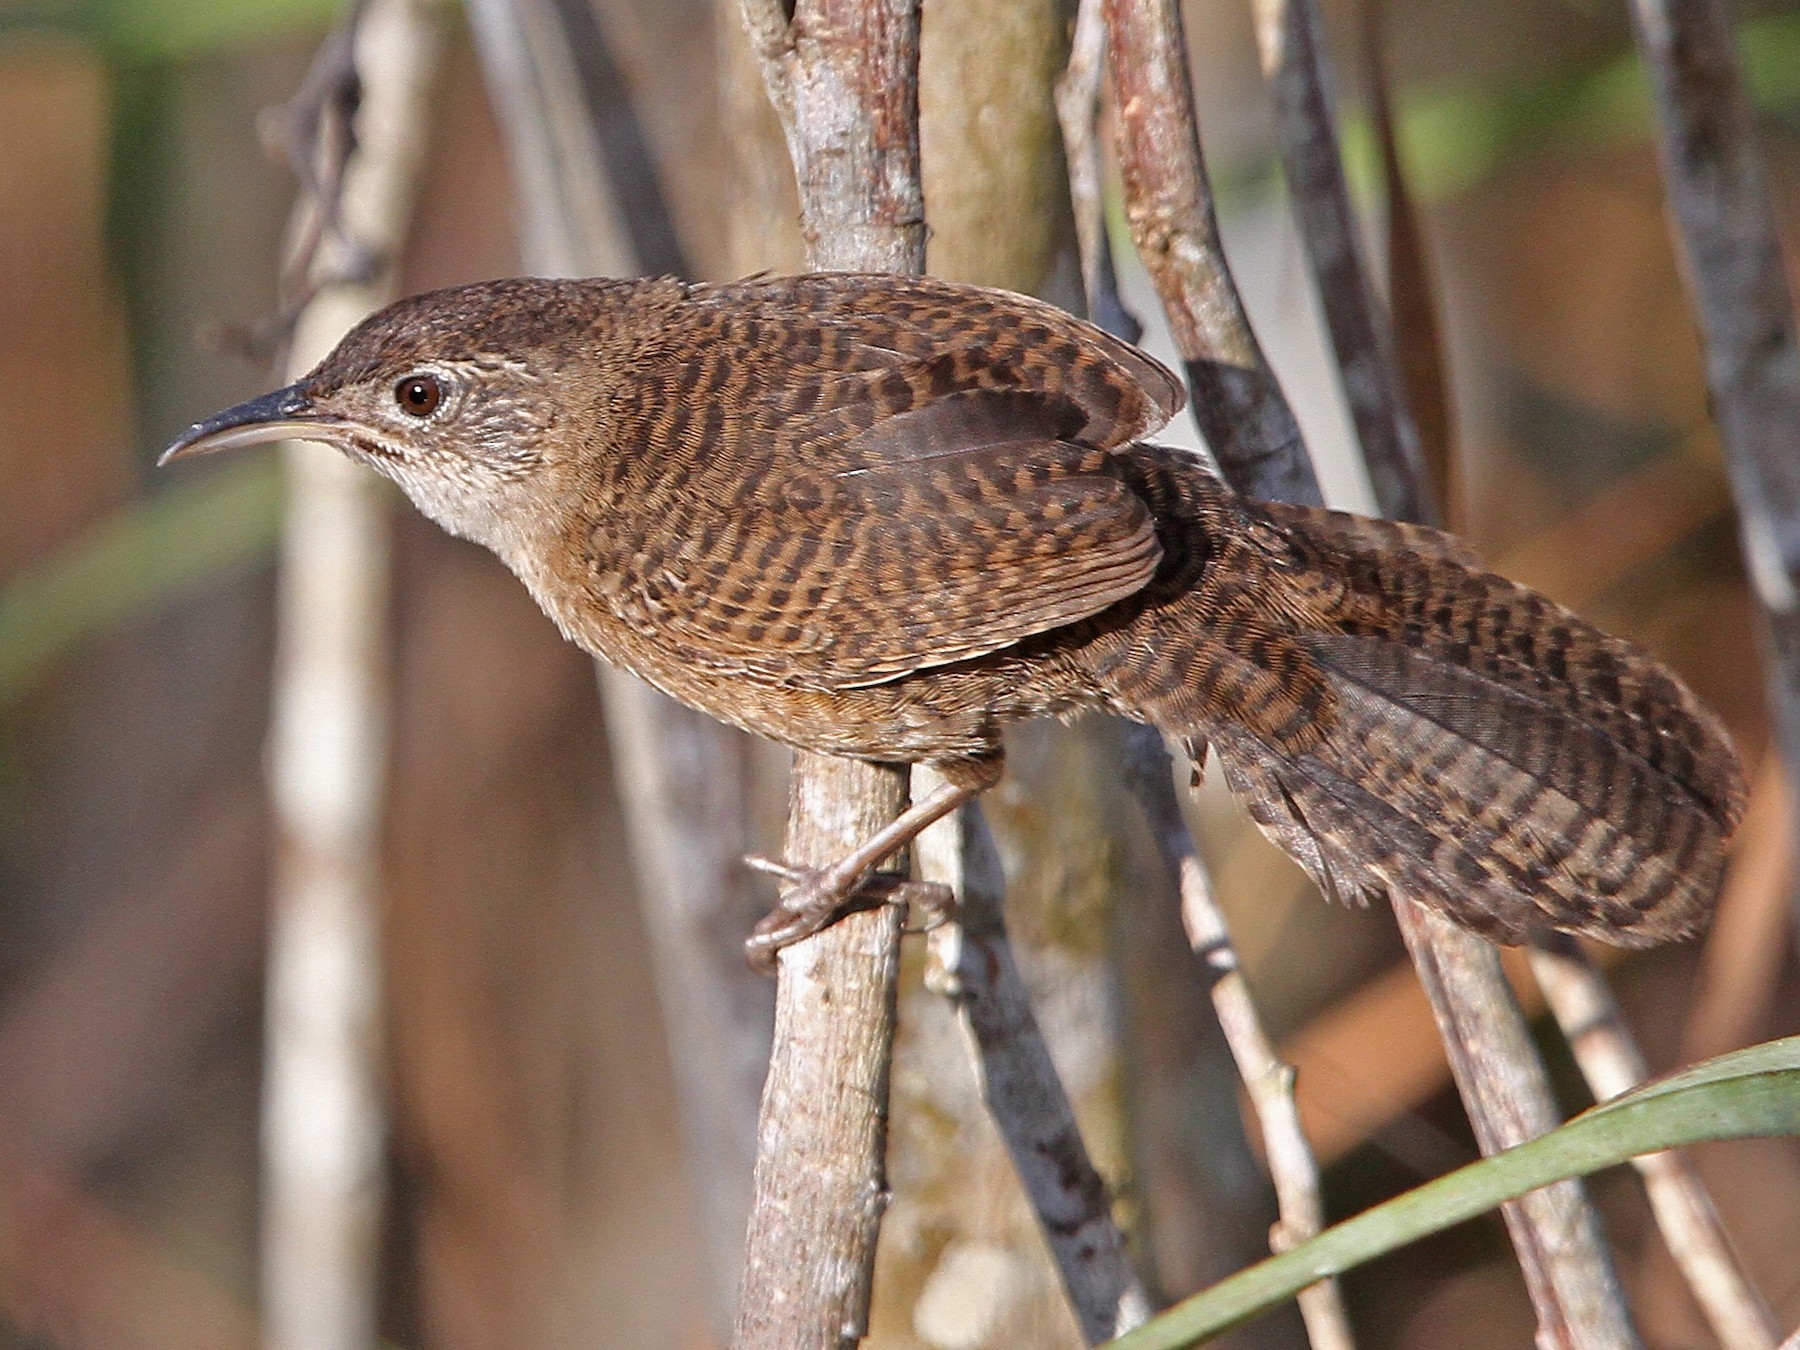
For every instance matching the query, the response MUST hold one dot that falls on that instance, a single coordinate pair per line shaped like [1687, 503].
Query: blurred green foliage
[162, 30]
[1456, 135]
[136, 562]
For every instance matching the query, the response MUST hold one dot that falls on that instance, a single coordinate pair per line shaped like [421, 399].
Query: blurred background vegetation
[538, 1187]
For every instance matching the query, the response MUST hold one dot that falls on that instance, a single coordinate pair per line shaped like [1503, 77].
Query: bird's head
[459, 396]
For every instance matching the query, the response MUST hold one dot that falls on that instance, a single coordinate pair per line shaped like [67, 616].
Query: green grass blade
[1751, 1093]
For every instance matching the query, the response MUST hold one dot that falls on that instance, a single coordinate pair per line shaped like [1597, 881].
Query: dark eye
[419, 395]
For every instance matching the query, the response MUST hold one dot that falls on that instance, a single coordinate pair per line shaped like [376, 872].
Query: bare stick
[1289, 36]
[1503, 1082]
[1505, 1091]
[1078, 113]
[1168, 205]
[1268, 1081]
[324, 1125]
[1612, 1064]
[821, 1181]
[1412, 298]
[973, 966]
[1725, 229]
[844, 77]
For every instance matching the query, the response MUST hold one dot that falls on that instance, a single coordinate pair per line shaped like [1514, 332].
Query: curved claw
[816, 899]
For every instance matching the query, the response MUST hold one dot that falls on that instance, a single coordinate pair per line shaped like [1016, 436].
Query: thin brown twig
[1237, 403]
[973, 966]
[1267, 1079]
[1412, 297]
[844, 77]
[1290, 38]
[1078, 113]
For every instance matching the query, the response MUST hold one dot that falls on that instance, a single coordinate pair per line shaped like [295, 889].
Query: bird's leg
[818, 897]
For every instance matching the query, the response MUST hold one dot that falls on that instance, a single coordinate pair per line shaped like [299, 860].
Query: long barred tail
[1466, 740]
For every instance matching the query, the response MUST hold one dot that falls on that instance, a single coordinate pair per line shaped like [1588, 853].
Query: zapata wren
[884, 516]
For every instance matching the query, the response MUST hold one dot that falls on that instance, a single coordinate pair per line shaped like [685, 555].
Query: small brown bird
[884, 516]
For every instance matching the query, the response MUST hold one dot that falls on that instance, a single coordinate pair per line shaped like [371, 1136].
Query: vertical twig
[1168, 204]
[1612, 1064]
[1268, 1081]
[973, 966]
[1078, 113]
[683, 778]
[1290, 38]
[1725, 229]
[844, 77]
[821, 1180]
[1506, 1093]
[1412, 298]
[323, 1120]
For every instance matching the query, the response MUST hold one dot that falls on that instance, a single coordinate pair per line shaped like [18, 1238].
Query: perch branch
[844, 78]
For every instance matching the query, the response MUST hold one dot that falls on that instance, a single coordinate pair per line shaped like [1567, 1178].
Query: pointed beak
[285, 415]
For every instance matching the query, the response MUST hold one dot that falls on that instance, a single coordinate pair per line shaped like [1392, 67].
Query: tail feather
[1472, 744]
[1514, 817]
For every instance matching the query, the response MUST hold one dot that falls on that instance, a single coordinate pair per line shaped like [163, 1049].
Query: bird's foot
[815, 898]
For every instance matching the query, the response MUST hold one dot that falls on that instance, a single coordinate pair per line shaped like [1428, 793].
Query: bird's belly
[945, 712]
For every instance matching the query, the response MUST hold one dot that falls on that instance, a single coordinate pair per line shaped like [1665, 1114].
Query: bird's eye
[419, 395]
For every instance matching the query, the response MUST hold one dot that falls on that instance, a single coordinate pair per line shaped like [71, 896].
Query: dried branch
[844, 77]
[683, 777]
[1502, 1080]
[1505, 1091]
[973, 966]
[1168, 205]
[1290, 38]
[323, 1119]
[1412, 297]
[1725, 228]
[1078, 112]
[821, 1181]
[1612, 1064]
[1268, 1081]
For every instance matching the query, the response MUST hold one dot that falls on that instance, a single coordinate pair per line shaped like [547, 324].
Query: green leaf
[136, 562]
[1751, 1093]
